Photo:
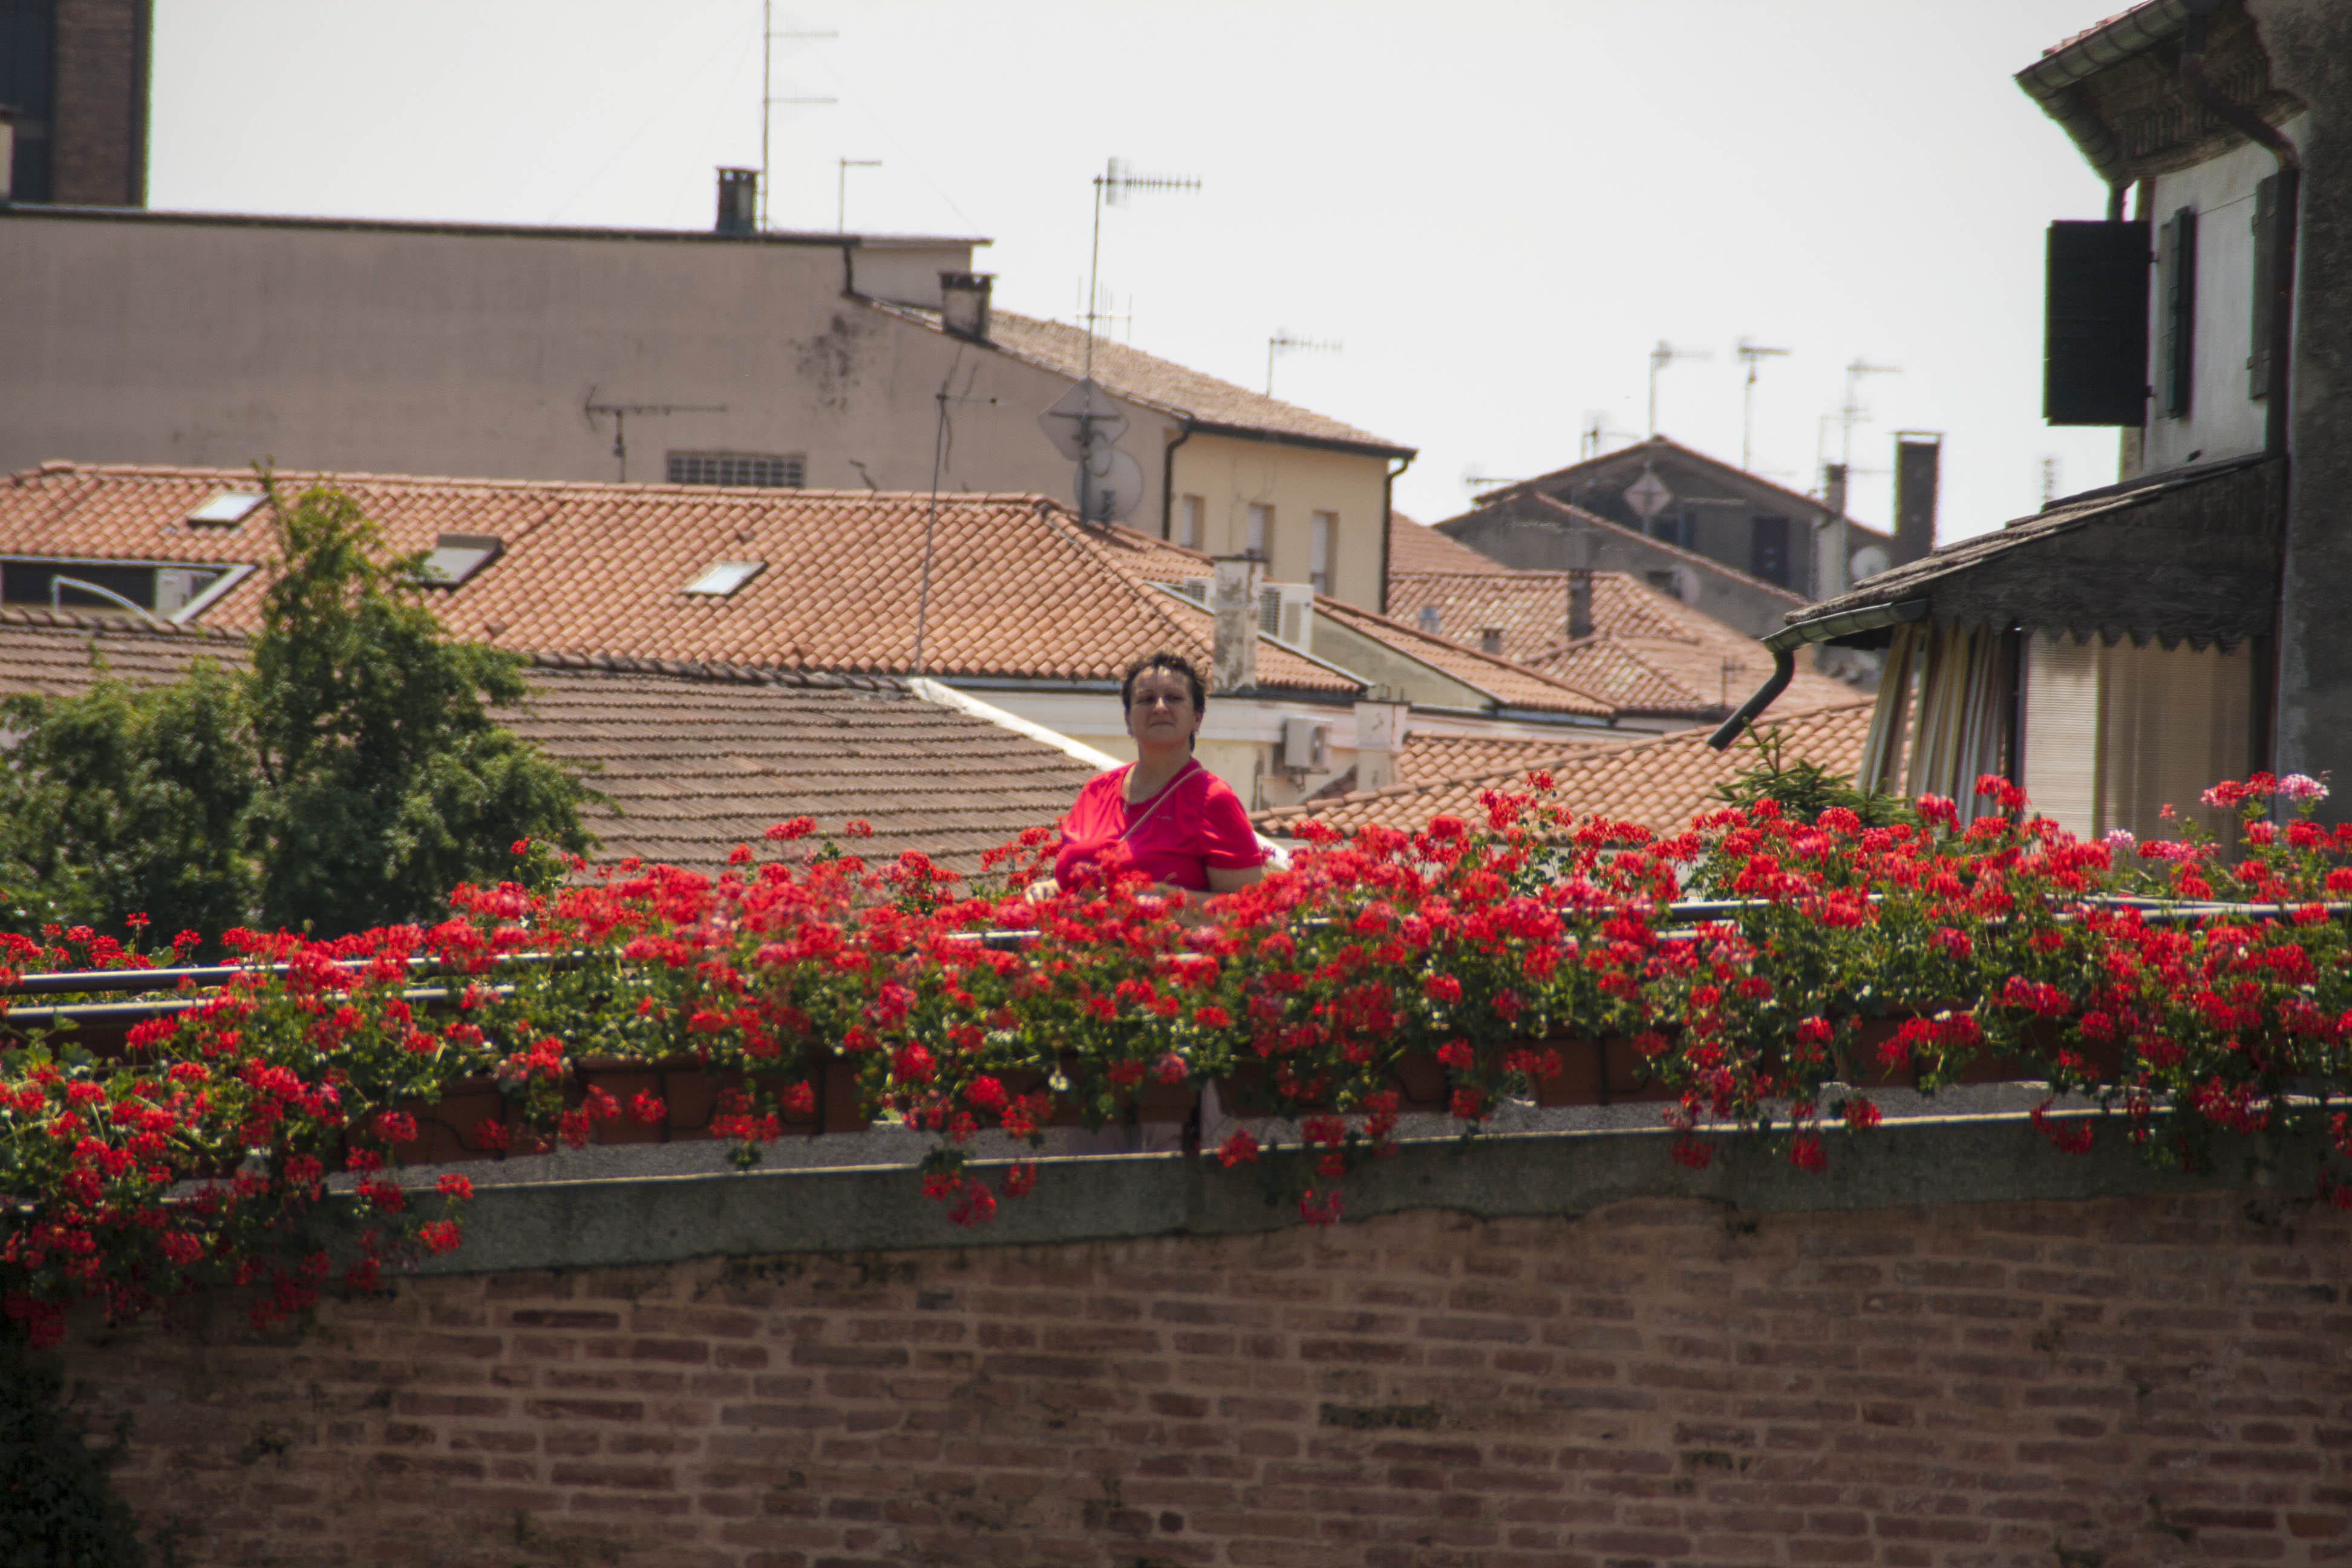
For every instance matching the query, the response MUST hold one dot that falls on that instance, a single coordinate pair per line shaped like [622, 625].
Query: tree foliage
[385, 780]
[1803, 789]
[351, 777]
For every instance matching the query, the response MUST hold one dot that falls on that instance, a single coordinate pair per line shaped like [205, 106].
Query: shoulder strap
[1165, 790]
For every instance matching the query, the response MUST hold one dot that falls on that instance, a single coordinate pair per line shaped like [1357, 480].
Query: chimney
[1833, 487]
[7, 150]
[1490, 641]
[1430, 618]
[739, 201]
[1919, 459]
[963, 304]
[1579, 603]
[1233, 600]
[1380, 737]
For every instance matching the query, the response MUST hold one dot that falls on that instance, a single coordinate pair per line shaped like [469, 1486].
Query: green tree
[352, 778]
[1803, 788]
[385, 779]
[130, 799]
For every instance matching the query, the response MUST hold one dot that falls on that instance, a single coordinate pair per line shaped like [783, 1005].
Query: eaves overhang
[2191, 556]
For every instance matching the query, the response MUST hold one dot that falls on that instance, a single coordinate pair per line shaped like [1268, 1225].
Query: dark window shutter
[1767, 549]
[2094, 344]
[2257, 358]
[2176, 265]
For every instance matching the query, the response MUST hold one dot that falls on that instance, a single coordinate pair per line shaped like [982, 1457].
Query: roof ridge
[724, 671]
[57, 468]
[1479, 653]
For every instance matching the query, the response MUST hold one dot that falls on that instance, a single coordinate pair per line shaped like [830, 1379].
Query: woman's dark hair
[1175, 664]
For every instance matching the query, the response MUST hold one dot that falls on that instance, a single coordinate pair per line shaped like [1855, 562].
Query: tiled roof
[1662, 783]
[1431, 759]
[1155, 382]
[693, 763]
[1650, 651]
[1512, 685]
[1417, 547]
[1612, 668]
[1016, 586]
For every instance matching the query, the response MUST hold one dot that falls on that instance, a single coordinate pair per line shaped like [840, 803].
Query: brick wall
[2088, 1384]
[99, 135]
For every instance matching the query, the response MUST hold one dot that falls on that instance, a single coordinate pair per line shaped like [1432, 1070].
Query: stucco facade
[504, 353]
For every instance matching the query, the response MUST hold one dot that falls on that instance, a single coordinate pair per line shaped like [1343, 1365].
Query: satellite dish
[1868, 562]
[1109, 485]
[1648, 495]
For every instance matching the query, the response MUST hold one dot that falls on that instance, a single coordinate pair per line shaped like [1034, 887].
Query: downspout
[1784, 670]
[1168, 483]
[1387, 519]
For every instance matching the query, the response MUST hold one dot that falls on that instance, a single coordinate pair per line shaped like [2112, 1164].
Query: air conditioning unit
[174, 586]
[1196, 589]
[1306, 746]
[1286, 610]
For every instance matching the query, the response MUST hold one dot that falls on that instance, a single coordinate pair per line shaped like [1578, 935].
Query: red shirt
[1196, 821]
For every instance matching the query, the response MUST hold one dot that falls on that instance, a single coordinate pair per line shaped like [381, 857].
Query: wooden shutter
[2095, 328]
[2176, 264]
[2261, 320]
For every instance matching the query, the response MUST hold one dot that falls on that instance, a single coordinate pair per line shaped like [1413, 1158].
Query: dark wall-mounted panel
[2094, 344]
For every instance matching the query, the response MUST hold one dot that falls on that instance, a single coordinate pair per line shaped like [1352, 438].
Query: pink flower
[2302, 787]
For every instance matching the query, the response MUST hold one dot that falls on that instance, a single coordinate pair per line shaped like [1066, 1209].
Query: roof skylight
[225, 509]
[457, 556]
[725, 577]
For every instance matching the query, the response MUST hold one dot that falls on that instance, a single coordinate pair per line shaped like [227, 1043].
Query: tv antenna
[1282, 342]
[1750, 354]
[1852, 412]
[1664, 354]
[1112, 186]
[841, 206]
[1596, 431]
[768, 36]
[621, 412]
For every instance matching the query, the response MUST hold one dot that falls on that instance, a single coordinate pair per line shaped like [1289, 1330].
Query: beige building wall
[417, 349]
[1231, 474]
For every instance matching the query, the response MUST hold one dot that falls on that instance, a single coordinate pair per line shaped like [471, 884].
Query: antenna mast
[768, 35]
[1664, 354]
[841, 209]
[1282, 343]
[621, 412]
[1111, 185]
[1851, 412]
[1751, 354]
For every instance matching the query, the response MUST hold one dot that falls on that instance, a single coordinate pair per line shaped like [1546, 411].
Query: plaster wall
[1230, 473]
[2222, 421]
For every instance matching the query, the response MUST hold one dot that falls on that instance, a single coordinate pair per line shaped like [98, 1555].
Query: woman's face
[1161, 714]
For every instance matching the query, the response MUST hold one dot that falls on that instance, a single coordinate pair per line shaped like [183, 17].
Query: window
[756, 470]
[104, 585]
[725, 577]
[226, 509]
[1429, 619]
[1188, 526]
[1260, 541]
[2177, 282]
[457, 556]
[1326, 533]
[1767, 549]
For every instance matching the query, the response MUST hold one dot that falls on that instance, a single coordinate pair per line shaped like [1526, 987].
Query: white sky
[1496, 208]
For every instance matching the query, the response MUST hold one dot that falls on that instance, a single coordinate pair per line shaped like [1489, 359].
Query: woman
[1163, 814]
